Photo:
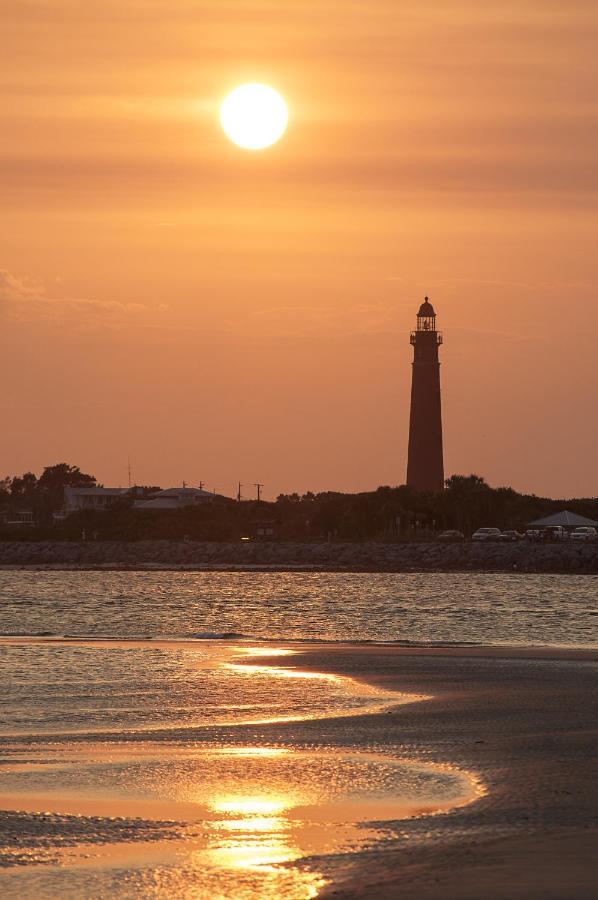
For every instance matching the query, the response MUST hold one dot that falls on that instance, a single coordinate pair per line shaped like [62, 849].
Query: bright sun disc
[254, 116]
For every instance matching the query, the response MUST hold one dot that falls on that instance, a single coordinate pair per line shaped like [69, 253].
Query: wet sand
[526, 721]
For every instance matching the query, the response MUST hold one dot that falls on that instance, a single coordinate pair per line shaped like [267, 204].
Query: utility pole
[129, 469]
[239, 493]
[259, 490]
[201, 484]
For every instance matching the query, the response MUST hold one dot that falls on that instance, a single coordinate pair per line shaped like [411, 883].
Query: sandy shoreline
[523, 720]
[526, 721]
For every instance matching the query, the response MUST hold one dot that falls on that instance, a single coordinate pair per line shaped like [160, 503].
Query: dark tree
[53, 481]
[23, 490]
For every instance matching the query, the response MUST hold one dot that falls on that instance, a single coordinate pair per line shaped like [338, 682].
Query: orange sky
[222, 315]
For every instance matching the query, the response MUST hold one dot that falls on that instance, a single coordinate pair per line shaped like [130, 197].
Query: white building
[101, 498]
[175, 498]
[98, 498]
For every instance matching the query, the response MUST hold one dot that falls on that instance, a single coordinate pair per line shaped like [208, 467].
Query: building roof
[565, 518]
[186, 493]
[426, 309]
[175, 498]
[165, 503]
[94, 491]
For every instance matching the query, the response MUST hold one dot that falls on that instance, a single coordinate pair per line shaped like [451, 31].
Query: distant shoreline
[520, 557]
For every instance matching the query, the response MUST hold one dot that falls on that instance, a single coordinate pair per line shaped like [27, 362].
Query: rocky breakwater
[369, 556]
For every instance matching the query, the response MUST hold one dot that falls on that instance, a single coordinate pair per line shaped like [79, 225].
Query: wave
[209, 636]
[30, 634]
[239, 636]
[272, 639]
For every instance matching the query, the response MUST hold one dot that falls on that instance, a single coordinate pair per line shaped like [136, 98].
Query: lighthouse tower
[425, 468]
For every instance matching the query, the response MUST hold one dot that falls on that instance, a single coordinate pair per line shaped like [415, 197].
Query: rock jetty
[366, 557]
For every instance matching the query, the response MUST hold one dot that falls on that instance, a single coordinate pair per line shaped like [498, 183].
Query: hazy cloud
[17, 290]
[23, 297]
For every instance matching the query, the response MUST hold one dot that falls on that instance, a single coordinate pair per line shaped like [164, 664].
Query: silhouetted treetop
[385, 514]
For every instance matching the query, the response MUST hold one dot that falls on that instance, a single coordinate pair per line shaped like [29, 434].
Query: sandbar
[521, 720]
[525, 720]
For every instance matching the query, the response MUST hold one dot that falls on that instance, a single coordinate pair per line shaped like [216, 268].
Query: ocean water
[481, 608]
[86, 687]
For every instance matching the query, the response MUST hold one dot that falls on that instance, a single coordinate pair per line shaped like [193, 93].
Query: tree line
[386, 514]
[44, 495]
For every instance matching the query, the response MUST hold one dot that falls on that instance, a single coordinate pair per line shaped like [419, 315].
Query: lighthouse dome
[426, 309]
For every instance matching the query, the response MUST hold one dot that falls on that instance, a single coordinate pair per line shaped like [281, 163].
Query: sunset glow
[158, 277]
[298, 485]
[254, 116]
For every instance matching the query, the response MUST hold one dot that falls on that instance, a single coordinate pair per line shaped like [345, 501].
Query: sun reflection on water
[276, 672]
[255, 823]
[256, 837]
[246, 852]
[249, 752]
[249, 805]
[253, 811]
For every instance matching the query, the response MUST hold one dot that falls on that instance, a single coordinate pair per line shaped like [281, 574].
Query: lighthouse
[425, 467]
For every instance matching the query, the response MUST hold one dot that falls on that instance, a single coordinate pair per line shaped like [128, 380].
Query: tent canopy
[566, 518]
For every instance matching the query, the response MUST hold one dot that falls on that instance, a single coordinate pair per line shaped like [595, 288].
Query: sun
[254, 116]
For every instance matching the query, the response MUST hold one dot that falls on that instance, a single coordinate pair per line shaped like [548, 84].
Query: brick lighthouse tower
[425, 468]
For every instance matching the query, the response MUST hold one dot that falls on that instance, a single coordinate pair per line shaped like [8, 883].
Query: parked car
[451, 535]
[486, 534]
[555, 533]
[584, 533]
[510, 535]
[533, 534]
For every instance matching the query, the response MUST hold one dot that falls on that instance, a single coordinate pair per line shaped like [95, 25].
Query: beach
[513, 730]
[526, 721]
[291, 735]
